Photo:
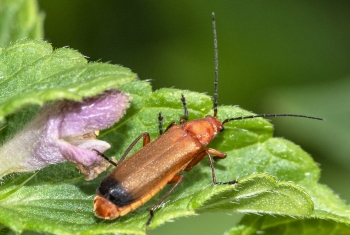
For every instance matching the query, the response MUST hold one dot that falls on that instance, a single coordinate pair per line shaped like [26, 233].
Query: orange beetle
[136, 179]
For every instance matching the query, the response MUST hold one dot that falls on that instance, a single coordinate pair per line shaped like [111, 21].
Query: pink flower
[65, 130]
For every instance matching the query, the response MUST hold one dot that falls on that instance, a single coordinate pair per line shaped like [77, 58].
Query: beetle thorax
[204, 130]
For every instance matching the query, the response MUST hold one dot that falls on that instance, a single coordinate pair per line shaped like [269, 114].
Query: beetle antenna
[270, 115]
[216, 65]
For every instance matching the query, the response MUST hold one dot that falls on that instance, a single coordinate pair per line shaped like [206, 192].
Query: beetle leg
[213, 171]
[106, 158]
[195, 160]
[185, 116]
[182, 119]
[201, 155]
[177, 179]
[170, 125]
[160, 123]
[146, 140]
[216, 153]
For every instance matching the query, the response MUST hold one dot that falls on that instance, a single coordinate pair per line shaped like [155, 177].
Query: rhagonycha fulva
[136, 179]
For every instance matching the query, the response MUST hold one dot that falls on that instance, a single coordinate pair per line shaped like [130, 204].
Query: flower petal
[65, 130]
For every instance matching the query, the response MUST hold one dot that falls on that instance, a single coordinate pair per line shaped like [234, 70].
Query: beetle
[136, 179]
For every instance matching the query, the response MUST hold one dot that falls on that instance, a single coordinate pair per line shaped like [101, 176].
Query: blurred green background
[274, 57]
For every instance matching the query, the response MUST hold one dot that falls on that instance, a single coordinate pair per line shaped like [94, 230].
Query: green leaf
[33, 73]
[20, 19]
[253, 224]
[260, 193]
[328, 205]
[57, 199]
